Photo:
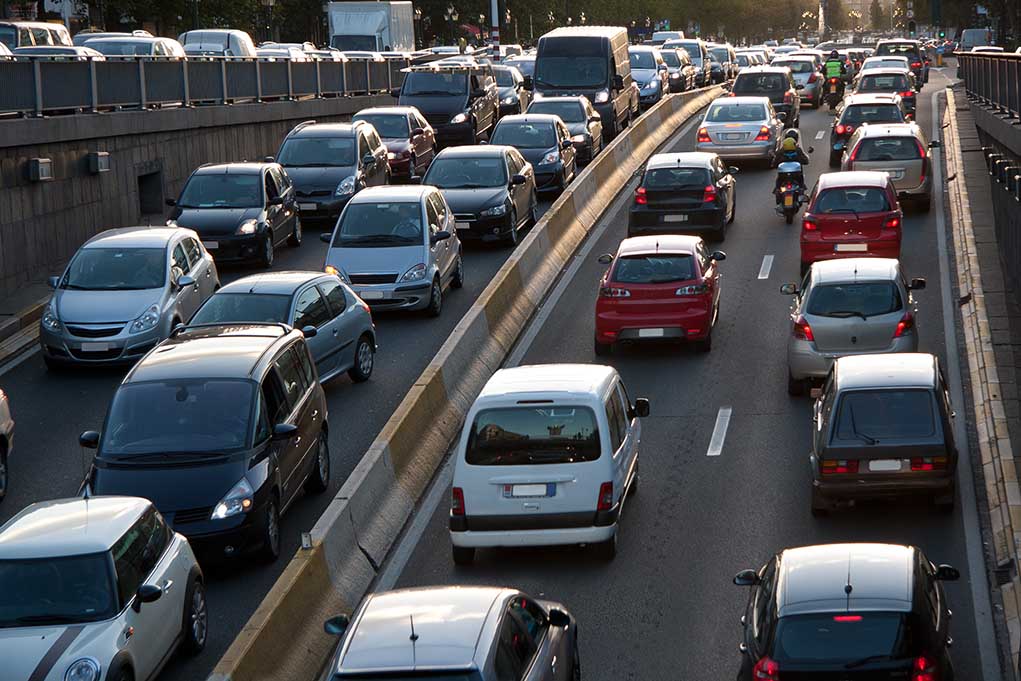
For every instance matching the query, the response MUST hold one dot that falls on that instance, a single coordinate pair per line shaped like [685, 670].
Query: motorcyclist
[835, 68]
[790, 150]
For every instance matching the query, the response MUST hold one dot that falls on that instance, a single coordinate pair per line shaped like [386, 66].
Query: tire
[318, 480]
[533, 217]
[606, 550]
[602, 349]
[788, 217]
[463, 555]
[269, 551]
[266, 259]
[435, 306]
[512, 235]
[457, 281]
[3, 472]
[195, 627]
[820, 507]
[706, 344]
[295, 239]
[365, 360]
[795, 386]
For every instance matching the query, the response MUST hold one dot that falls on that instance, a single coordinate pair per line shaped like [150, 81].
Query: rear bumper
[753, 150]
[319, 210]
[923, 189]
[815, 251]
[907, 485]
[805, 361]
[694, 323]
[448, 134]
[653, 220]
[547, 529]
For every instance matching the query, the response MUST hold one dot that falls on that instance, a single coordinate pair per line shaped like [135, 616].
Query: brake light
[847, 618]
[709, 194]
[833, 80]
[457, 501]
[906, 94]
[802, 330]
[928, 463]
[905, 326]
[703, 135]
[839, 466]
[840, 129]
[614, 292]
[916, 64]
[809, 225]
[788, 97]
[814, 77]
[605, 497]
[763, 135]
[854, 155]
[693, 290]
[892, 223]
[766, 670]
[640, 198]
[923, 669]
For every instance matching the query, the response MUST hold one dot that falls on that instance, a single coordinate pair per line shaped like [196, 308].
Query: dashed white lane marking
[719, 432]
[767, 265]
[820, 134]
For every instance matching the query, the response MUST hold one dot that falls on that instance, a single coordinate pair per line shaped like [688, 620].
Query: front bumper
[648, 97]
[236, 249]
[410, 296]
[228, 537]
[510, 109]
[322, 209]
[549, 177]
[119, 349]
[452, 134]
[400, 168]
[760, 151]
[484, 229]
[647, 220]
[805, 361]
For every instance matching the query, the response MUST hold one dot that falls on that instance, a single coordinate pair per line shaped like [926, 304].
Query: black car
[690, 192]
[834, 612]
[329, 163]
[221, 427]
[682, 72]
[774, 82]
[545, 142]
[514, 98]
[857, 110]
[491, 190]
[723, 66]
[699, 55]
[582, 121]
[241, 211]
[459, 99]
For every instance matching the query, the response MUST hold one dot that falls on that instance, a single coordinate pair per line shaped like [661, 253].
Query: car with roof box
[902, 152]
[547, 456]
[455, 633]
[847, 611]
[883, 428]
[862, 109]
[221, 426]
[409, 139]
[97, 588]
[684, 192]
[545, 142]
[460, 100]
[741, 128]
[775, 82]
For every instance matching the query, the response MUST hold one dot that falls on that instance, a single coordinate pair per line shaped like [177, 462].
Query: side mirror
[417, 131]
[733, 170]
[518, 179]
[147, 593]
[559, 618]
[717, 256]
[309, 331]
[395, 92]
[641, 407]
[566, 144]
[799, 86]
[336, 626]
[283, 431]
[527, 83]
[935, 144]
[276, 201]
[781, 116]
[947, 573]
[909, 117]
[89, 439]
[747, 578]
[171, 202]
[54, 281]
[185, 281]
[662, 67]
[917, 284]
[815, 393]
[439, 236]
[326, 237]
[789, 289]
[605, 259]
[368, 160]
[415, 179]
[269, 159]
[618, 82]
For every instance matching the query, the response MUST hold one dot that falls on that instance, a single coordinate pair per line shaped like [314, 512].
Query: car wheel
[365, 359]
[266, 259]
[795, 386]
[463, 555]
[576, 662]
[820, 506]
[606, 550]
[533, 210]
[602, 349]
[196, 619]
[512, 235]
[706, 344]
[3, 472]
[319, 479]
[269, 551]
[295, 238]
[435, 306]
[457, 281]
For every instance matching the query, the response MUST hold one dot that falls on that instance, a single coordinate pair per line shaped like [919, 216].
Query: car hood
[171, 484]
[313, 179]
[508, 92]
[474, 200]
[22, 649]
[395, 144]
[398, 259]
[216, 221]
[579, 128]
[435, 104]
[103, 307]
[643, 75]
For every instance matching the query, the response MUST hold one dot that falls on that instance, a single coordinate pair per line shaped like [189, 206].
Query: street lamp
[451, 16]
[268, 5]
[419, 39]
[581, 18]
[552, 18]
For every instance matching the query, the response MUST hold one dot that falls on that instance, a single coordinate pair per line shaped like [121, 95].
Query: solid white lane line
[719, 432]
[819, 134]
[767, 265]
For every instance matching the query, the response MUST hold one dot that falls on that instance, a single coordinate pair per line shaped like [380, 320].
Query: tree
[876, 14]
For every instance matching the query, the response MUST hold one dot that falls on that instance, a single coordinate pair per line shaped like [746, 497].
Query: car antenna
[413, 637]
[87, 491]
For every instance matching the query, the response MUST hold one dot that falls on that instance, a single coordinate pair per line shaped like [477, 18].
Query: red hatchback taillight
[640, 198]
[839, 466]
[906, 94]
[456, 501]
[693, 290]
[614, 292]
[605, 497]
[763, 135]
[814, 77]
[905, 326]
[809, 225]
[892, 223]
[709, 194]
[802, 330]
[766, 670]
[842, 129]
[916, 64]
[928, 463]
[703, 135]
[923, 669]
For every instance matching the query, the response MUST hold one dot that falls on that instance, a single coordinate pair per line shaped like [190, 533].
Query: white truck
[372, 26]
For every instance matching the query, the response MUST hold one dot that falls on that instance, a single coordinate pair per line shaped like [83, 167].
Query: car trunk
[678, 187]
[899, 157]
[852, 333]
[658, 300]
[851, 226]
[734, 133]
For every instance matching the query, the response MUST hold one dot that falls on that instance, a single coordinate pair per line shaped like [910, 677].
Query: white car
[6, 441]
[96, 588]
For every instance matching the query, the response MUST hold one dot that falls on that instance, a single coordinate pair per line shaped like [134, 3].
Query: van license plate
[546, 489]
[95, 347]
[675, 218]
[651, 333]
[884, 465]
[211, 245]
[858, 248]
[307, 206]
[372, 295]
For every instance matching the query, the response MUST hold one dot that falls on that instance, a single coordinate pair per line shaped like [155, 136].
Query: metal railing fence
[994, 79]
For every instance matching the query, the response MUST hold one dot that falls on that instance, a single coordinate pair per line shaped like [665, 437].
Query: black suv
[459, 99]
[329, 163]
[775, 82]
[843, 611]
[221, 427]
[241, 211]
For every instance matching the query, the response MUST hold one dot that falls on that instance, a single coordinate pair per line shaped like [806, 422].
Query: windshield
[504, 78]
[736, 113]
[642, 60]
[525, 135]
[852, 640]
[518, 436]
[797, 66]
[888, 149]
[56, 591]
[569, 112]
[571, 72]
[871, 113]
[9, 36]
[441, 84]
[116, 269]
[654, 269]
[201, 416]
[122, 47]
[389, 126]
[671, 58]
[851, 200]
[312, 152]
[244, 307]
[721, 54]
[757, 83]
[380, 225]
[693, 51]
[880, 415]
[847, 300]
[467, 173]
[221, 190]
[896, 82]
[525, 66]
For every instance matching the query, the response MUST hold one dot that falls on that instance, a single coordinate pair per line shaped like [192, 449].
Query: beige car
[901, 151]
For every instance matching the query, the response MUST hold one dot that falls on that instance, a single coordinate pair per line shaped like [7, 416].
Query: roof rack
[181, 328]
[303, 124]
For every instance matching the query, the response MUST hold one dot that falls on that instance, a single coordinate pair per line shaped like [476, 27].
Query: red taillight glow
[923, 669]
[854, 154]
[928, 463]
[809, 225]
[763, 135]
[802, 330]
[766, 670]
[840, 129]
[709, 194]
[892, 223]
[788, 97]
[916, 64]
[703, 135]
[906, 94]
[839, 466]
[905, 326]
[847, 618]
[456, 501]
[814, 77]
[640, 198]
[605, 497]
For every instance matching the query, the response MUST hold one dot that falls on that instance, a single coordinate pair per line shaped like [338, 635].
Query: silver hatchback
[853, 306]
[122, 293]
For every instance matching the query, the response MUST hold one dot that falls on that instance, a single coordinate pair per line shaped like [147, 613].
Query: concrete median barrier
[284, 638]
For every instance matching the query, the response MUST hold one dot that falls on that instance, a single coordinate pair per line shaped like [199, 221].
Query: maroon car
[409, 139]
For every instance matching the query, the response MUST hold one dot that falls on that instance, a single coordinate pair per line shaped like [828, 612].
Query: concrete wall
[43, 223]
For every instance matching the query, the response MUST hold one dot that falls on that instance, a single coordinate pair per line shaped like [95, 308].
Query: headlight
[346, 186]
[390, 155]
[85, 669]
[416, 273]
[551, 157]
[654, 84]
[580, 139]
[602, 96]
[509, 100]
[237, 500]
[50, 319]
[459, 118]
[495, 211]
[149, 319]
[675, 74]
[246, 227]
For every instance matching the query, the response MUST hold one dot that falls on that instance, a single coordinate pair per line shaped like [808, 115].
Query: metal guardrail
[994, 79]
[36, 87]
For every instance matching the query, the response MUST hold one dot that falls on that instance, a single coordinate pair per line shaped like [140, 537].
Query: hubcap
[324, 460]
[198, 615]
[365, 358]
[436, 294]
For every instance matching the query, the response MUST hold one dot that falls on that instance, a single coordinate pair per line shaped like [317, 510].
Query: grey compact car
[398, 248]
[122, 293]
[741, 128]
[452, 632]
[337, 324]
[852, 306]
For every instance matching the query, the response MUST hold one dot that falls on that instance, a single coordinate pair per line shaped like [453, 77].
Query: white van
[546, 457]
[975, 37]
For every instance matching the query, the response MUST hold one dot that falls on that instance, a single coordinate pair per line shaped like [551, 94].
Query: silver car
[337, 323]
[741, 128]
[6, 441]
[807, 76]
[398, 248]
[852, 306]
[122, 293]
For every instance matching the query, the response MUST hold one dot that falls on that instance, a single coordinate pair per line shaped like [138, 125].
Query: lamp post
[419, 41]
[451, 16]
[268, 10]
[582, 18]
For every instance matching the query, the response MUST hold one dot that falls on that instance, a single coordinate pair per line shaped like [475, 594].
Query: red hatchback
[664, 287]
[851, 215]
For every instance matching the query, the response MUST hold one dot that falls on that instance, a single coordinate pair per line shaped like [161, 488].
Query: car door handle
[315, 414]
[167, 585]
[336, 332]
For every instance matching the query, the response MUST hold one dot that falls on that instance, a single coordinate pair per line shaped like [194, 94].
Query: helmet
[793, 134]
[834, 55]
[789, 144]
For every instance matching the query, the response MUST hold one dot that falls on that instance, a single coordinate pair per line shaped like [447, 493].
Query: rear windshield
[529, 435]
[851, 200]
[736, 113]
[671, 58]
[899, 49]
[852, 300]
[389, 126]
[758, 83]
[742, 60]
[850, 640]
[873, 416]
[643, 60]
[504, 78]
[888, 149]
[797, 66]
[654, 269]
[244, 307]
[887, 82]
[569, 112]
[871, 113]
[720, 53]
[122, 47]
[692, 49]
[318, 152]
[676, 178]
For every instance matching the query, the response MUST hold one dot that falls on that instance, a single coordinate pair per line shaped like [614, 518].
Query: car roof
[592, 379]
[209, 351]
[126, 39]
[870, 98]
[240, 168]
[900, 370]
[684, 159]
[844, 270]
[889, 130]
[69, 527]
[747, 99]
[135, 237]
[886, 71]
[793, 57]
[599, 31]
[559, 98]
[814, 579]
[763, 68]
[388, 110]
[530, 118]
[447, 622]
[854, 178]
[392, 193]
[280, 283]
[476, 150]
[324, 129]
[658, 243]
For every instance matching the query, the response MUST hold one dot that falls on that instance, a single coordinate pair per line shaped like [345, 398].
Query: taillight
[802, 331]
[788, 97]
[605, 497]
[709, 194]
[814, 77]
[640, 198]
[916, 64]
[703, 135]
[457, 501]
[833, 80]
[923, 669]
[854, 154]
[763, 135]
[693, 290]
[906, 93]
[766, 670]
[928, 463]
[614, 292]
[809, 225]
[892, 223]
[840, 129]
[905, 326]
[839, 466]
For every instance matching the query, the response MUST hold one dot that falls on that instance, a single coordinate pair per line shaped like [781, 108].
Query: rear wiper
[847, 313]
[867, 439]
[867, 660]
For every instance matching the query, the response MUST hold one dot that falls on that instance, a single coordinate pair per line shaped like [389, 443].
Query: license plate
[463, 225]
[833, 88]
[675, 218]
[856, 248]
[651, 333]
[95, 347]
[307, 206]
[733, 136]
[788, 201]
[372, 295]
[884, 465]
[211, 245]
[545, 489]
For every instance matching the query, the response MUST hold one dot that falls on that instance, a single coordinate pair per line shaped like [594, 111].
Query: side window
[515, 647]
[293, 378]
[363, 146]
[436, 199]
[193, 250]
[625, 406]
[271, 187]
[334, 293]
[310, 309]
[432, 216]
[304, 360]
[127, 560]
[281, 180]
[763, 596]
[532, 619]
[278, 407]
[374, 139]
[156, 535]
[616, 421]
[262, 424]
[178, 258]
